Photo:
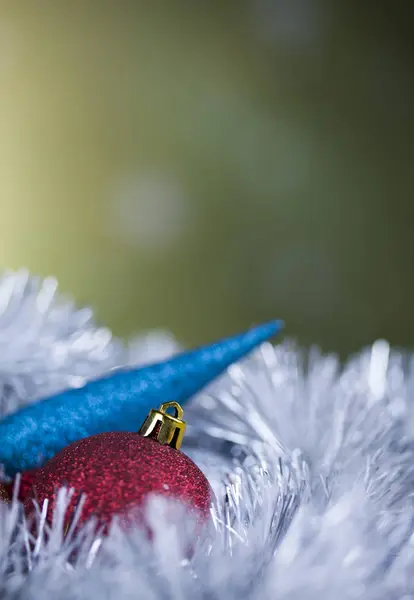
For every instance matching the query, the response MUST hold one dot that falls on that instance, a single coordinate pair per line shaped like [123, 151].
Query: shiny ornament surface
[24, 484]
[36, 433]
[117, 472]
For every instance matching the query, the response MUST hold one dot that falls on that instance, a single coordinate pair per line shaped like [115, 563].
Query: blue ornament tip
[118, 402]
[197, 368]
[263, 332]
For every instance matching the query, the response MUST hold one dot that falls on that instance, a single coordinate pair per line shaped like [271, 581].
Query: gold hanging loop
[167, 429]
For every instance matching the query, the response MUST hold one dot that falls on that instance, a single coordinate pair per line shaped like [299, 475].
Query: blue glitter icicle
[118, 402]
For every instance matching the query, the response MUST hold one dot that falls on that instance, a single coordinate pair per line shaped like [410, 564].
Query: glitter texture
[36, 433]
[117, 471]
[312, 465]
[23, 484]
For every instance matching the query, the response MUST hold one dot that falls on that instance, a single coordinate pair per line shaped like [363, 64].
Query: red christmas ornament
[25, 483]
[117, 472]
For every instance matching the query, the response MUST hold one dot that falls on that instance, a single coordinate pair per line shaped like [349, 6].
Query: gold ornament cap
[165, 428]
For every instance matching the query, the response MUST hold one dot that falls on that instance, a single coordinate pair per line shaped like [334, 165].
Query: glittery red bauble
[117, 471]
[25, 483]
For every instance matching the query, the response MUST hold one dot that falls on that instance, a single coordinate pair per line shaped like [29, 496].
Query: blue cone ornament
[118, 402]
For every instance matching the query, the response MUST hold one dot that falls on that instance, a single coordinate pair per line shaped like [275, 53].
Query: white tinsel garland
[312, 464]
[48, 345]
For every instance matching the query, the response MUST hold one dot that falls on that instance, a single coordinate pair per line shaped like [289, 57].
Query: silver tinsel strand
[312, 464]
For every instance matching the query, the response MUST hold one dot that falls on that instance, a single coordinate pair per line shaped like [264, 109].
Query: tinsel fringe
[312, 464]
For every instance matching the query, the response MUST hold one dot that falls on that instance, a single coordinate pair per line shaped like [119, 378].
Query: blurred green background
[205, 165]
